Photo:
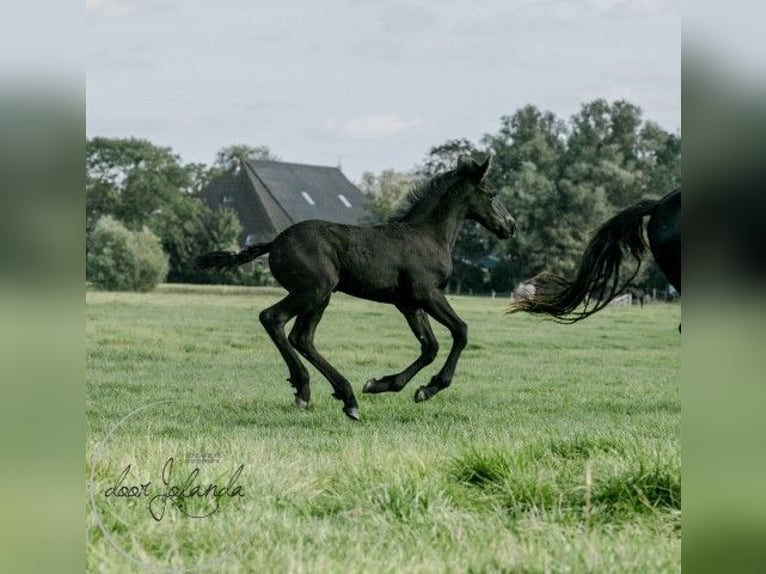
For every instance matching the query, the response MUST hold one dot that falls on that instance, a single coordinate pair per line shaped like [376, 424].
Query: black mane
[423, 192]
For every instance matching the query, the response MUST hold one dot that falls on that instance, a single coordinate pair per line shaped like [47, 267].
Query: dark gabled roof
[307, 191]
[270, 196]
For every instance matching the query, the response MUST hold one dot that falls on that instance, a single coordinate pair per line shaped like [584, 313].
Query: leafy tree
[231, 157]
[560, 180]
[200, 177]
[661, 154]
[444, 157]
[141, 184]
[532, 199]
[130, 179]
[187, 228]
[123, 260]
[527, 153]
[530, 135]
[613, 149]
[385, 191]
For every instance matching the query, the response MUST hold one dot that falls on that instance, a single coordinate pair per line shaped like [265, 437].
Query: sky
[367, 85]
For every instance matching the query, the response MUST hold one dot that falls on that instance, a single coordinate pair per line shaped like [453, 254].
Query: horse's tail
[227, 260]
[599, 278]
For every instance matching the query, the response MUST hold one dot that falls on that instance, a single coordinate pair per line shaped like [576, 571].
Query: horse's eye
[489, 191]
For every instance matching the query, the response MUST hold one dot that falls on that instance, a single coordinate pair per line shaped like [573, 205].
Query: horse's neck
[443, 221]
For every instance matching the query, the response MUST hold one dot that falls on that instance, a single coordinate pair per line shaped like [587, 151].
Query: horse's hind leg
[418, 322]
[302, 338]
[273, 320]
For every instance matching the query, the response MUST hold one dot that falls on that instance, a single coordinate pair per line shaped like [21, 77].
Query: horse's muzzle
[507, 228]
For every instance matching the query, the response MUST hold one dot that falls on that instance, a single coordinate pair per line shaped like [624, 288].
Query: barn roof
[310, 191]
[270, 196]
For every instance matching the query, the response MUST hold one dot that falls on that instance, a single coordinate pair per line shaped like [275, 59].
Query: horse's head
[484, 207]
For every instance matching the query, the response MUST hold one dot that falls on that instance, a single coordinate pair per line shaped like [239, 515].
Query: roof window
[307, 197]
[343, 200]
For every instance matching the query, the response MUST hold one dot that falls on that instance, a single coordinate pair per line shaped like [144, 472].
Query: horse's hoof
[421, 395]
[352, 413]
[301, 404]
[369, 386]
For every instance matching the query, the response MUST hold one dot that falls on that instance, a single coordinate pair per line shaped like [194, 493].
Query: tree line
[145, 213]
[560, 179]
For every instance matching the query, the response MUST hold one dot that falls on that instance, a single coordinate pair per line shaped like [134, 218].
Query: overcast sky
[372, 84]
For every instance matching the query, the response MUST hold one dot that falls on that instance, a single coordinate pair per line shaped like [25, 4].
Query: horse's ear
[470, 168]
[477, 170]
[484, 167]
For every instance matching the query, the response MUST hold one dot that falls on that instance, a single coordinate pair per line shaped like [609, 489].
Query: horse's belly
[374, 288]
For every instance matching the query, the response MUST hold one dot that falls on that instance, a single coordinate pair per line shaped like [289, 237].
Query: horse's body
[406, 262]
[600, 277]
[384, 263]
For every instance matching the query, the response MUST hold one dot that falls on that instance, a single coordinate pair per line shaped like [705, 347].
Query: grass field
[556, 449]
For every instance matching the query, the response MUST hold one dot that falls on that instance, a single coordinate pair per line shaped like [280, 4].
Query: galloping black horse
[405, 262]
[600, 277]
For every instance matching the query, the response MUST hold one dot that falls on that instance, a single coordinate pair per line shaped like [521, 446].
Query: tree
[612, 148]
[130, 179]
[229, 158]
[529, 135]
[123, 260]
[444, 157]
[561, 180]
[661, 153]
[532, 200]
[141, 184]
[200, 177]
[527, 153]
[385, 191]
[188, 228]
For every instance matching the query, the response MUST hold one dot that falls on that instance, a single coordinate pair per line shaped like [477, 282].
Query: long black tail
[599, 278]
[228, 260]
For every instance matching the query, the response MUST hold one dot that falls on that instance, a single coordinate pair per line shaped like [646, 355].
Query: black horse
[405, 262]
[601, 276]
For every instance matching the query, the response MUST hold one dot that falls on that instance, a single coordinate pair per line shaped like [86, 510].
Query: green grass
[556, 449]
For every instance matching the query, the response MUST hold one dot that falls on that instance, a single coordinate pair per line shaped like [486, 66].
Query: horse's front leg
[421, 328]
[439, 308]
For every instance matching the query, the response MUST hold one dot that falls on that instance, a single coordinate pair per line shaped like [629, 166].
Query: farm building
[270, 196]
